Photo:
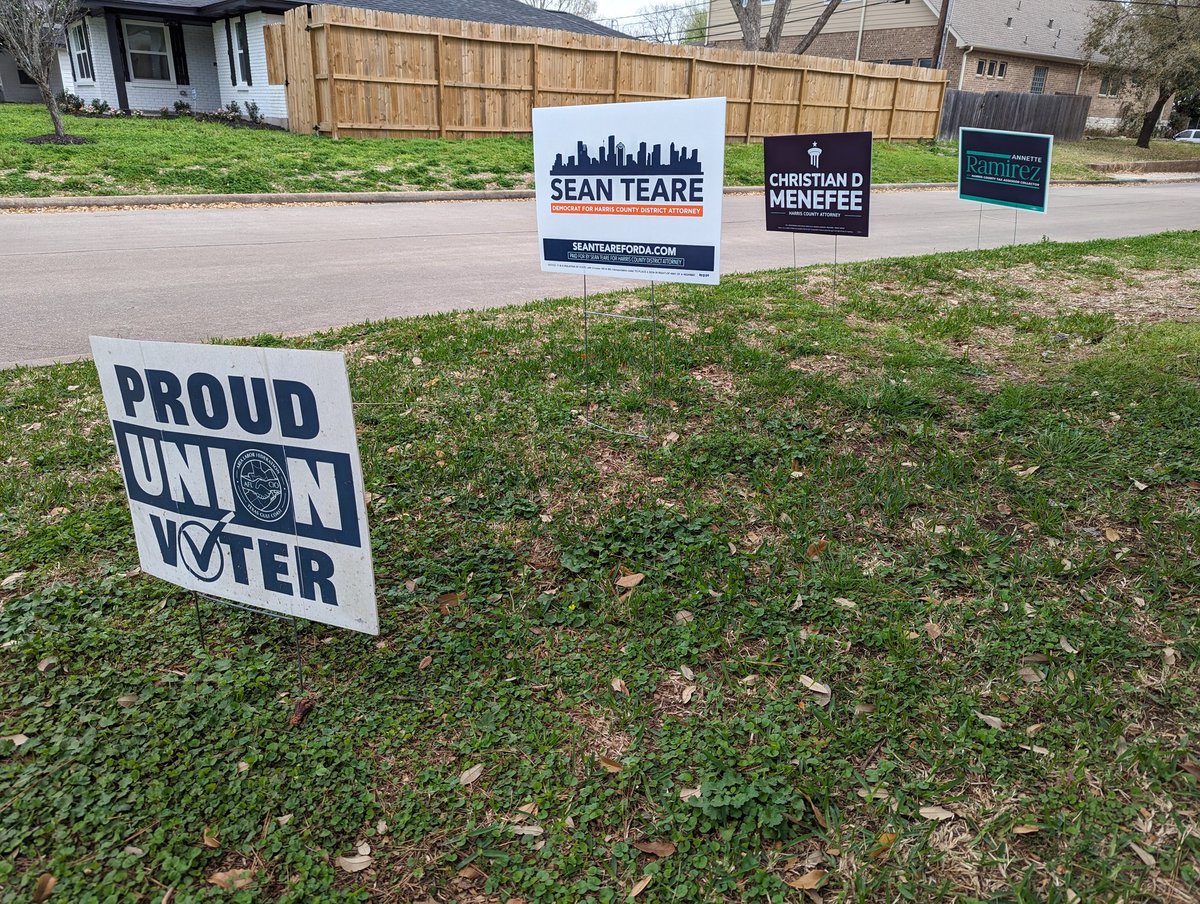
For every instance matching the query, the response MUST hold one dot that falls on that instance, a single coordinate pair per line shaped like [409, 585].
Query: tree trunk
[940, 37]
[776, 30]
[51, 103]
[1150, 120]
[750, 19]
[806, 41]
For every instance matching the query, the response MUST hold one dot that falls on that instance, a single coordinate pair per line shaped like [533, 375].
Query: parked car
[1192, 135]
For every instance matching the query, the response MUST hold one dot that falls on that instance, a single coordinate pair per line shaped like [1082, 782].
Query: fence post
[691, 76]
[941, 107]
[892, 115]
[800, 102]
[849, 101]
[536, 64]
[617, 78]
[441, 87]
[750, 109]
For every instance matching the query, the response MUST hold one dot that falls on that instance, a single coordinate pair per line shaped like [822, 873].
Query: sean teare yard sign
[631, 189]
[1011, 169]
[242, 470]
[818, 183]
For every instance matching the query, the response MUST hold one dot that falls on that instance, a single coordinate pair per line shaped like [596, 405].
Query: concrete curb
[409, 197]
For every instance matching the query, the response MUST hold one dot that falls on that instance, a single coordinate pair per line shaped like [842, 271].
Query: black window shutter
[178, 53]
[244, 40]
[71, 50]
[229, 47]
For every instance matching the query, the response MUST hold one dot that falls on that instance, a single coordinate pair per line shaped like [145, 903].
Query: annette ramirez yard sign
[631, 189]
[818, 183]
[242, 470]
[1011, 169]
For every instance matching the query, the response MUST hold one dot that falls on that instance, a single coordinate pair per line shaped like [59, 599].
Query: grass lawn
[918, 621]
[151, 156]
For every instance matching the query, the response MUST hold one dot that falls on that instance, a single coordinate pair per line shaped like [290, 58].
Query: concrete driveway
[200, 273]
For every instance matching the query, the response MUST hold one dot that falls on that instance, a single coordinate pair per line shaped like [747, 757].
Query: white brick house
[148, 54]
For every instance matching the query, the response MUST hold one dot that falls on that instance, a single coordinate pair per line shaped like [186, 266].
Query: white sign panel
[242, 470]
[631, 189]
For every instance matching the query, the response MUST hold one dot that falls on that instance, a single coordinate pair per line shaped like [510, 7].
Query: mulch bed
[57, 139]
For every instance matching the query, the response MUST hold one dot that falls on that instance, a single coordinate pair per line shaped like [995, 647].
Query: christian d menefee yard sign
[243, 476]
[818, 183]
[1011, 169]
[631, 189]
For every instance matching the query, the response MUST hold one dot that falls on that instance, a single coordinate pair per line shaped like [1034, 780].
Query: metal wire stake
[979, 229]
[654, 370]
[795, 269]
[587, 360]
[835, 270]
[1015, 212]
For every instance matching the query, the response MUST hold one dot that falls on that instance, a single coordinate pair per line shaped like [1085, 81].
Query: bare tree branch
[31, 30]
[806, 41]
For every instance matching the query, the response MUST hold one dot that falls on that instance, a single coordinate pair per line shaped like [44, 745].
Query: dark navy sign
[241, 467]
[629, 254]
[1010, 169]
[818, 183]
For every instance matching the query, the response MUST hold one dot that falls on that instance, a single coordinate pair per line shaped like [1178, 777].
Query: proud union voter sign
[242, 471]
[631, 189]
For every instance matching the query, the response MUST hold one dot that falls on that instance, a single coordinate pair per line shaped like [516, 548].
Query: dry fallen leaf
[45, 885]
[687, 673]
[16, 739]
[629, 581]
[883, 845]
[689, 793]
[232, 879]
[657, 848]
[46, 663]
[1191, 767]
[845, 603]
[470, 872]
[1112, 536]
[1066, 646]
[808, 880]
[363, 849]
[1026, 472]
[1170, 657]
[1140, 487]
[1026, 829]
[471, 774]
[381, 828]
[530, 809]
[8, 582]
[284, 819]
[242, 766]
[688, 692]
[939, 813]
[355, 864]
[1142, 855]
[619, 686]
[209, 839]
[300, 711]
[127, 700]
[815, 549]
[1030, 676]
[527, 830]
[990, 721]
[425, 663]
[684, 617]
[640, 886]
[862, 709]
[610, 765]
[823, 692]
[933, 630]
[134, 851]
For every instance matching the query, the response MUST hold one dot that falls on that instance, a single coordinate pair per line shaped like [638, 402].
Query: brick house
[1028, 46]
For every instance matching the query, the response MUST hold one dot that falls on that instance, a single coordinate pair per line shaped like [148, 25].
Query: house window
[900, 62]
[925, 62]
[243, 50]
[980, 67]
[991, 68]
[81, 52]
[1039, 80]
[23, 78]
[149, 49]
[1002, 70]
[1110, 87]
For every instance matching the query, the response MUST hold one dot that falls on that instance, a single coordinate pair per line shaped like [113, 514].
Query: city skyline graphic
[612, 160]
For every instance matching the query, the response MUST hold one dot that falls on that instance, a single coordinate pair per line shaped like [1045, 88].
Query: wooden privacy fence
[1062, 115]
[368, 74]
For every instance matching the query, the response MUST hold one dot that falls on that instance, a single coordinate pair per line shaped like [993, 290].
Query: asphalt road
[199, 273]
